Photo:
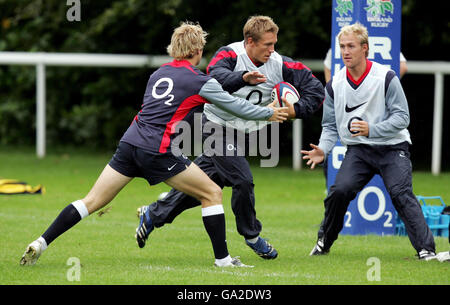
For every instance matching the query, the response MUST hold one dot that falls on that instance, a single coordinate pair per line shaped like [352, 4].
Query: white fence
[41, 60]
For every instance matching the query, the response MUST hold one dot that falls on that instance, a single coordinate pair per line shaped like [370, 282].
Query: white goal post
[42, 59]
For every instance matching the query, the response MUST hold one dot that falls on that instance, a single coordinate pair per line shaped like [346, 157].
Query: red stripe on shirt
[295, 65]
[181, 112]
[136, 117]
[180, 64]
[359, 81]
[221, 55]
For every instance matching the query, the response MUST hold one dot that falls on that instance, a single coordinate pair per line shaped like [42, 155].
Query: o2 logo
[166, 93]
[368, 216]
[259, 98]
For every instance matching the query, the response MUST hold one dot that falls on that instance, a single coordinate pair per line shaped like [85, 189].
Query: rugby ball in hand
[286, 90]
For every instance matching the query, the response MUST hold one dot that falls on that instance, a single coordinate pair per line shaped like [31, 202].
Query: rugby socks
[68, 217]
[253, 240]
[43, 243]
[214, 221]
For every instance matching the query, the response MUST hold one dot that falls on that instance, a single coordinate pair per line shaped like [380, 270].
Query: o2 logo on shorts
[166, 93]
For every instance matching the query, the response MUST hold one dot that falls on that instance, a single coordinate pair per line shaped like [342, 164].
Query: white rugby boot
[426, 255]
[32, 253]
[234, 262]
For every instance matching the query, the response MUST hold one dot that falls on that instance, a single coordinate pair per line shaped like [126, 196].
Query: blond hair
[186, 40]
[359, 30]
[256, 26]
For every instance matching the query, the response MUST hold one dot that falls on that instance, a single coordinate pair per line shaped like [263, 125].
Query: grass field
[289, 204]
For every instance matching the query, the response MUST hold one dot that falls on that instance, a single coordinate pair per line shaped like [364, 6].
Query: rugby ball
[286, 90]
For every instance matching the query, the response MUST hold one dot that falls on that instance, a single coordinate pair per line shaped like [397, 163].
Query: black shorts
[133, 161]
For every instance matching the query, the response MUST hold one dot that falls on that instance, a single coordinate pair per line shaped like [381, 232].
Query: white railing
[41, 60]
[438, 68]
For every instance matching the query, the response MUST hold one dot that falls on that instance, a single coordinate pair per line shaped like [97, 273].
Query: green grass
[289, 204]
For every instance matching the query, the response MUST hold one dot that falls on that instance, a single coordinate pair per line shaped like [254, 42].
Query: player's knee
[401, 191]
[244, 184]
[341, 192]
[216, 193]
[213, 195]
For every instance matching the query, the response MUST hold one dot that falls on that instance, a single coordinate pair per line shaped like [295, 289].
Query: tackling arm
[222, 67]
[329, 133]
[213, 92]
[309, 87]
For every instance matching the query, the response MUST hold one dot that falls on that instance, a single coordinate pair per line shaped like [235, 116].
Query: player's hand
[314, 156]
[280, 114]
[290, 107]
[359, 128]
[254, 77]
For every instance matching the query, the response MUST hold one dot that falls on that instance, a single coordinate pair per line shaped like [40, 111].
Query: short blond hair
[360, 32]
[186, 40]
[256, 26]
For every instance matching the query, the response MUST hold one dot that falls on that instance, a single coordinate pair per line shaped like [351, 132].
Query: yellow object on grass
[12, 186]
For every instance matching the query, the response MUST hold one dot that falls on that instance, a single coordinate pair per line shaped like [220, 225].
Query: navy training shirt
[174, 92]
[171, 96]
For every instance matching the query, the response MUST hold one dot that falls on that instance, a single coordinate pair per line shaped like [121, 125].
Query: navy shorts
[133, 161]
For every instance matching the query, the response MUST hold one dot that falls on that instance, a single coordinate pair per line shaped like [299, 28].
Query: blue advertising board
[371, 212]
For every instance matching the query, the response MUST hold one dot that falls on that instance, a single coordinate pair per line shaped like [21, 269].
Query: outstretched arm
[314, 156]
[213, 92]
[311, 90]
